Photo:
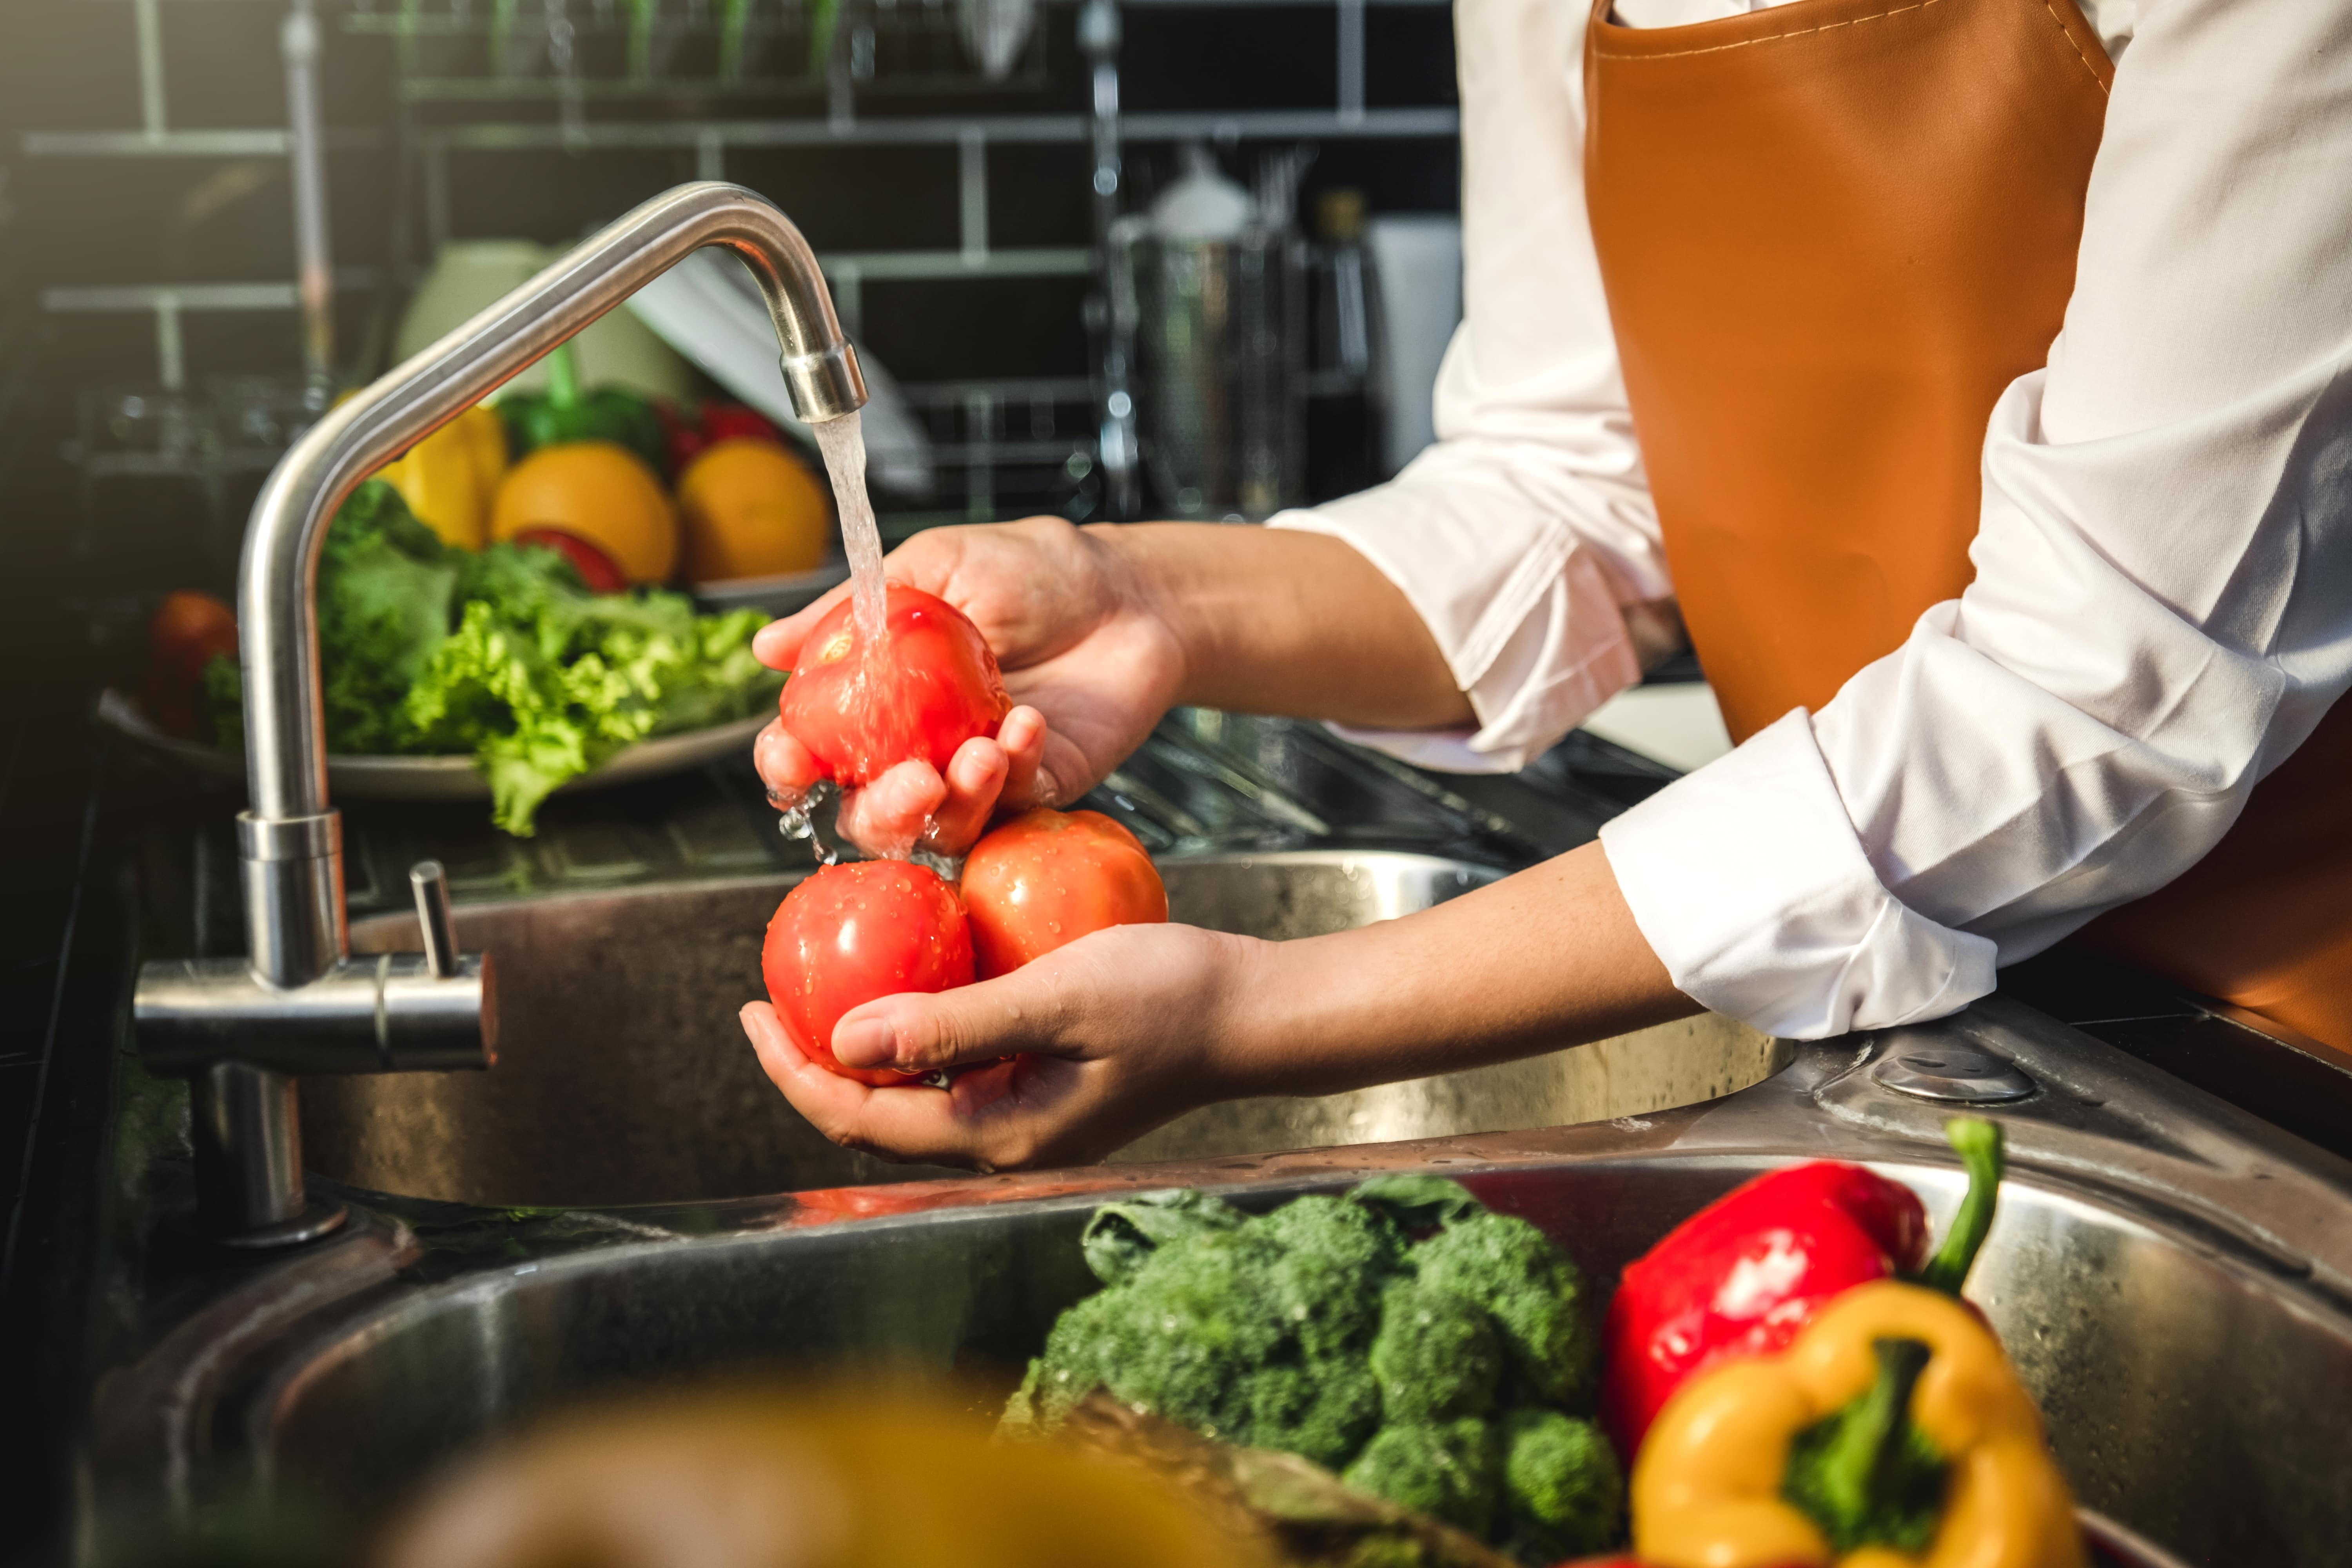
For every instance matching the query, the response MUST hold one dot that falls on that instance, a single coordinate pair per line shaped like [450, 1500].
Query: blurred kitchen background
[1113, 258]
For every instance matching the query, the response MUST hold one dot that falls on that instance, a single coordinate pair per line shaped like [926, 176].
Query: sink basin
[2173, 1279]
[622, 1076]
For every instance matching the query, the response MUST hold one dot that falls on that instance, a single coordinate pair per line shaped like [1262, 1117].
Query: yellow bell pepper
[449, 478]
[1713, 1484]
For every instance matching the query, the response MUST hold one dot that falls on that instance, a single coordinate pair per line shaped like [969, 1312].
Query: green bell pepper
[565, 413]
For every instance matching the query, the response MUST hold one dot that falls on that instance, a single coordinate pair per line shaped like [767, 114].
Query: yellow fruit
[447, 479]
[855, 1476]
[751, 510]
[596, 491]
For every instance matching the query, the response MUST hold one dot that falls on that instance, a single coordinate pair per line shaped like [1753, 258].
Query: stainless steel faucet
[238, 1029]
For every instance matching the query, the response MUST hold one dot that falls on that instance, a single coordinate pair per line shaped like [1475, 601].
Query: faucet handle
[431, 884]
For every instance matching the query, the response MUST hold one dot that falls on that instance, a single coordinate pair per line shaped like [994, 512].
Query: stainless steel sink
[2173, 1278]
[622, 1076]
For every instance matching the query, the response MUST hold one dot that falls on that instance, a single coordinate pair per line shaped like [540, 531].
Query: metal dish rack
[713, 79]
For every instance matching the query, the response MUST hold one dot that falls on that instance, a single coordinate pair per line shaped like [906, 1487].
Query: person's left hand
[1099, 1062]
[953, 808]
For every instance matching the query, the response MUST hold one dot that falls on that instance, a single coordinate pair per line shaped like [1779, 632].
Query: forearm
[1273, 621]
[1548, 958]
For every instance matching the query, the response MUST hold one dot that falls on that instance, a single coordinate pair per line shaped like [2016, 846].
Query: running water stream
[841, 443]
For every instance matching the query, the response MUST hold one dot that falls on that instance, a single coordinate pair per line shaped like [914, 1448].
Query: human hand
[1098, 1061]
[1087, 659]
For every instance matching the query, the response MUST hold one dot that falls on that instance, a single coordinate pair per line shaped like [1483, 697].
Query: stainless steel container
[1220, 343]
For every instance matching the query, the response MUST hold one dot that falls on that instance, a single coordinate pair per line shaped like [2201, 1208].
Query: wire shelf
[475, 51]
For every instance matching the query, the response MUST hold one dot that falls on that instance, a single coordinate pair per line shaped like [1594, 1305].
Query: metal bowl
[622, 1076]
[440, 777]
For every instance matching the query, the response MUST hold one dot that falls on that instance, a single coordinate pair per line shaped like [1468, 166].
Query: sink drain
[1952, 1074]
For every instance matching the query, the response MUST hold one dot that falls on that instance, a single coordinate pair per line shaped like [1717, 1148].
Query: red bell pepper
[690, 431]
[1743, 1275]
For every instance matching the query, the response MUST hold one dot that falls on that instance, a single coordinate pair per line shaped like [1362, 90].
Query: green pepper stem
[562, 377]
[1868, 1443]
[1979, 1145]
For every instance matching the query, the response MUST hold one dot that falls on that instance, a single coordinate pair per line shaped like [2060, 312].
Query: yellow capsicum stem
[1708, 1484]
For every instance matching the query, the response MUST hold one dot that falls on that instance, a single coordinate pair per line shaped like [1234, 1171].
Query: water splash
[797, 819]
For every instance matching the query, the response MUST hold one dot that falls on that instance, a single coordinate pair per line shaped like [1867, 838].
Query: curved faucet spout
[286, 754]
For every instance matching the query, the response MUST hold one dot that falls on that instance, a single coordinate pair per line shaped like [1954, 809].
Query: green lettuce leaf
[504, 653]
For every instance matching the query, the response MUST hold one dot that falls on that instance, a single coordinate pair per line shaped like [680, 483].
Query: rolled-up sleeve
[2162, 606]
[1526, 534]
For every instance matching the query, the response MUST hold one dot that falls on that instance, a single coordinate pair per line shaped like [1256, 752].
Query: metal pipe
[248, 1148]
[430, 882]
[286, 754]
[1101, 34]
[388, 1012]
[298, 41]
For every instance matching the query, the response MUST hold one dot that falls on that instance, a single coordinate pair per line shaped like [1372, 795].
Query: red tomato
[1050, 877]
[596, 569]
[934, 688]
[851, 933]
[188, 632]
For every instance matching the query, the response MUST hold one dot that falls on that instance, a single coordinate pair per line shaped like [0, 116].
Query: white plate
[776, 596]
[708, 309]
[445, 777]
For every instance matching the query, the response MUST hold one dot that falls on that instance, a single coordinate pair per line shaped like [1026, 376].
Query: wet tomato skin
[935, 687]
[852, 933]
[1046, 878]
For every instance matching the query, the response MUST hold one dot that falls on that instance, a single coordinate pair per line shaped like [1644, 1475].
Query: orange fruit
[751, 510]
[596, 491]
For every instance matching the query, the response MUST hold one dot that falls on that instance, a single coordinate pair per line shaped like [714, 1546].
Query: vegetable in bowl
[1448, 1375]
[428, 649]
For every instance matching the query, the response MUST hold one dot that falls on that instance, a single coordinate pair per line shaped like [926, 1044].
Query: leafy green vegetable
[1437, 1355]
[1451, 1470]
[568, 412]
[1438, 1376]
[1563, 1489]
[503, 653]
[1514, 1272]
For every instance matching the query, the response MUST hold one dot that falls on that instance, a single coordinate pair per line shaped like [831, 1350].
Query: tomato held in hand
[935, 687]
[851, 933]
[1048, 878]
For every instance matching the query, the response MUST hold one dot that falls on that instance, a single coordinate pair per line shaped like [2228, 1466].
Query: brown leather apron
[1831, 234]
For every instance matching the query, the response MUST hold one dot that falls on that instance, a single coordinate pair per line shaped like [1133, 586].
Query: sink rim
[396, 921]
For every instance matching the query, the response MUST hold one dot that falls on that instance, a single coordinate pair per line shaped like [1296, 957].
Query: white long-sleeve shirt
[2162, 607]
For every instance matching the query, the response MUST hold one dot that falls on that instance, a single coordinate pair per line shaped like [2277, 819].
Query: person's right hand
[1086, 656]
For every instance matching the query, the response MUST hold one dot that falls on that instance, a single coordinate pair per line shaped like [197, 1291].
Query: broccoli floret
[1320, 1410]
[1196, 1320]
[1536, 1294]
[1425, 1372]
[1326, 1282]
[1085, 1342]
[1562, 1487]
[1449, 1469]
[1342, 1230]
[1437, 1355]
